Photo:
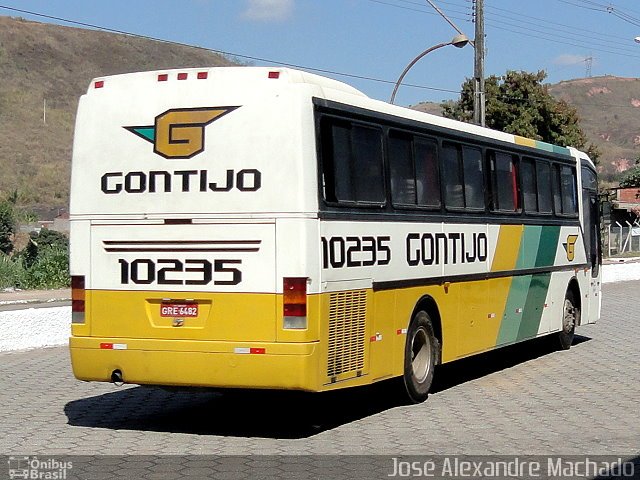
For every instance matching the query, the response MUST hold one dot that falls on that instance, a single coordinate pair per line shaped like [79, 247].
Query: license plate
[183, 310]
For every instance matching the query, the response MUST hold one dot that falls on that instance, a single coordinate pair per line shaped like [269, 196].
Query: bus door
[591, 226]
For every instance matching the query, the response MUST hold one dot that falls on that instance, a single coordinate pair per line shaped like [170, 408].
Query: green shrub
[12, 272]
[7, 227]
[49, 270]
[42, 240]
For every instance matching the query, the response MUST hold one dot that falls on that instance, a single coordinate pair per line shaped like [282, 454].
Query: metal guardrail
[622, 239]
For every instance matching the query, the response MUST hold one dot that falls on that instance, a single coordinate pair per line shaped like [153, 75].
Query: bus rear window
[352, 163]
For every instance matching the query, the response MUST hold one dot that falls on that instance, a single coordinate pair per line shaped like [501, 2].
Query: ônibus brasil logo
[179, 132]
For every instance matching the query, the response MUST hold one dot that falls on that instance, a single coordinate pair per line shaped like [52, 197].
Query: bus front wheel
[420, 356]
[570, 314]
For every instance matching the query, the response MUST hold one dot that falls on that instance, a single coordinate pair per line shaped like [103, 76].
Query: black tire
[570, 316]
[420, 357]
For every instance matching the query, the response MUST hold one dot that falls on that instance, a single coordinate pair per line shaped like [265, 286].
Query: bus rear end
[183, 183]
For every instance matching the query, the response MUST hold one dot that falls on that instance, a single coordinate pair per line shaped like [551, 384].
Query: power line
[606, 8]
[259, 59]
[227, 54]
[545, 22]
[564, 35]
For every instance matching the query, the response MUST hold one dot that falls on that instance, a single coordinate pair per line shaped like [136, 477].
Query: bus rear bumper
[197, 363]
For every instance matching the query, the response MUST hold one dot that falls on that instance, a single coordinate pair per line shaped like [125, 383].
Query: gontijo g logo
[179, 132]
[570, 247]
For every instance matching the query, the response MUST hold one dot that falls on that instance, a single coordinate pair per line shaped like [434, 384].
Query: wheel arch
[574, 288]
[429, 305]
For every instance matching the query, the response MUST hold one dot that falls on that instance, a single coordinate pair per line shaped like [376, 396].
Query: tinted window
[589, 179]
[427, 179]
[452, 171]
[557, 199]
[545, 192]
[352, 162]
[504, 182]
[529, 190]
[568, 190]
[473, 178]
[403, 183]
[339, 155]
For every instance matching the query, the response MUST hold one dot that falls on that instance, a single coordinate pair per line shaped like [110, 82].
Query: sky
[376, 39]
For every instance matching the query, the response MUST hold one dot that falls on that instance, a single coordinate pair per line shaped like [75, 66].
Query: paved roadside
[20, 299]
[521, 400]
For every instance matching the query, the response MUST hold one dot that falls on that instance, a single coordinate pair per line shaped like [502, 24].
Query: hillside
[43, 63]
[609, 111]
[53, 65]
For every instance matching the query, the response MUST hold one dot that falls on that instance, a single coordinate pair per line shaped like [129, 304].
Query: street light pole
[478, 70]
[458, 41]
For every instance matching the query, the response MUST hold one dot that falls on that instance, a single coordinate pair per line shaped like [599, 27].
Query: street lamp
[458, 41]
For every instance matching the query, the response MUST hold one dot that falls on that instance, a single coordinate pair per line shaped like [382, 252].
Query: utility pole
[478, 71]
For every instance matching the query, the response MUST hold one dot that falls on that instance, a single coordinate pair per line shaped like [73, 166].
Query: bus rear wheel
[420, 356]
[570, 313]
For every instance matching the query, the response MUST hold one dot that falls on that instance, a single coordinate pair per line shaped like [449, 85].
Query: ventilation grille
[347, 318]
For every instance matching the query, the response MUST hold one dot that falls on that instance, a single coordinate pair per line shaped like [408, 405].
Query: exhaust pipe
[116, 378]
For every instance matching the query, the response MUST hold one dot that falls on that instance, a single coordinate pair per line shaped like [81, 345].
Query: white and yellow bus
[269, 228]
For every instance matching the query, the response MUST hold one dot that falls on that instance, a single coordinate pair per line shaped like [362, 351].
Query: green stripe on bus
[534, 306]
[528, 253]
[561, 150]
[512, 316]
[544, 146]
[547, 246]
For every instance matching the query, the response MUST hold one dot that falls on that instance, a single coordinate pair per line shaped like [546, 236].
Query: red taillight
[294, 301]
[163, 77]
[99, 84]
[77, 299]
[202, 75]
[295, 297]
[182, 76]
[274, 75]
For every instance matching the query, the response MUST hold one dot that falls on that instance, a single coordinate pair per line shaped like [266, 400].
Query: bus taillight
[77, 299]
[295, 303]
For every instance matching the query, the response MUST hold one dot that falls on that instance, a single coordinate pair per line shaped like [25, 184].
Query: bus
[267, 228]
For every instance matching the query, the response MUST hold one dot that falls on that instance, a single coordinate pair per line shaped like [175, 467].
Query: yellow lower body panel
[198, 363]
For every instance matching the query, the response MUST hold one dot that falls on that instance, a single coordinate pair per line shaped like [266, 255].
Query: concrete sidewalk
[17, 297]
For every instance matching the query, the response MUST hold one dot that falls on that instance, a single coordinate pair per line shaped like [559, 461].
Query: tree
[7, 227]
[631, 178]
[519, 103]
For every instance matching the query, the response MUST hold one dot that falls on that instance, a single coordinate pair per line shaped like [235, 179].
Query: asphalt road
[523, 400]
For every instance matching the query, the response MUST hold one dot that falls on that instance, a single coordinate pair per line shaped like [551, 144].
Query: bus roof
[233, 75]
[238, 77]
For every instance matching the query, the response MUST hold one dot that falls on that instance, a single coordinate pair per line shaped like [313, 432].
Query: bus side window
[339, 155]
[351, 162]
[504, 182]
[569, 191]
[545, 193]
[565, 194]
[473, 178]
[452, 172]
[427, 178]
[557, 188]
[529, 190]
[403, 186]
